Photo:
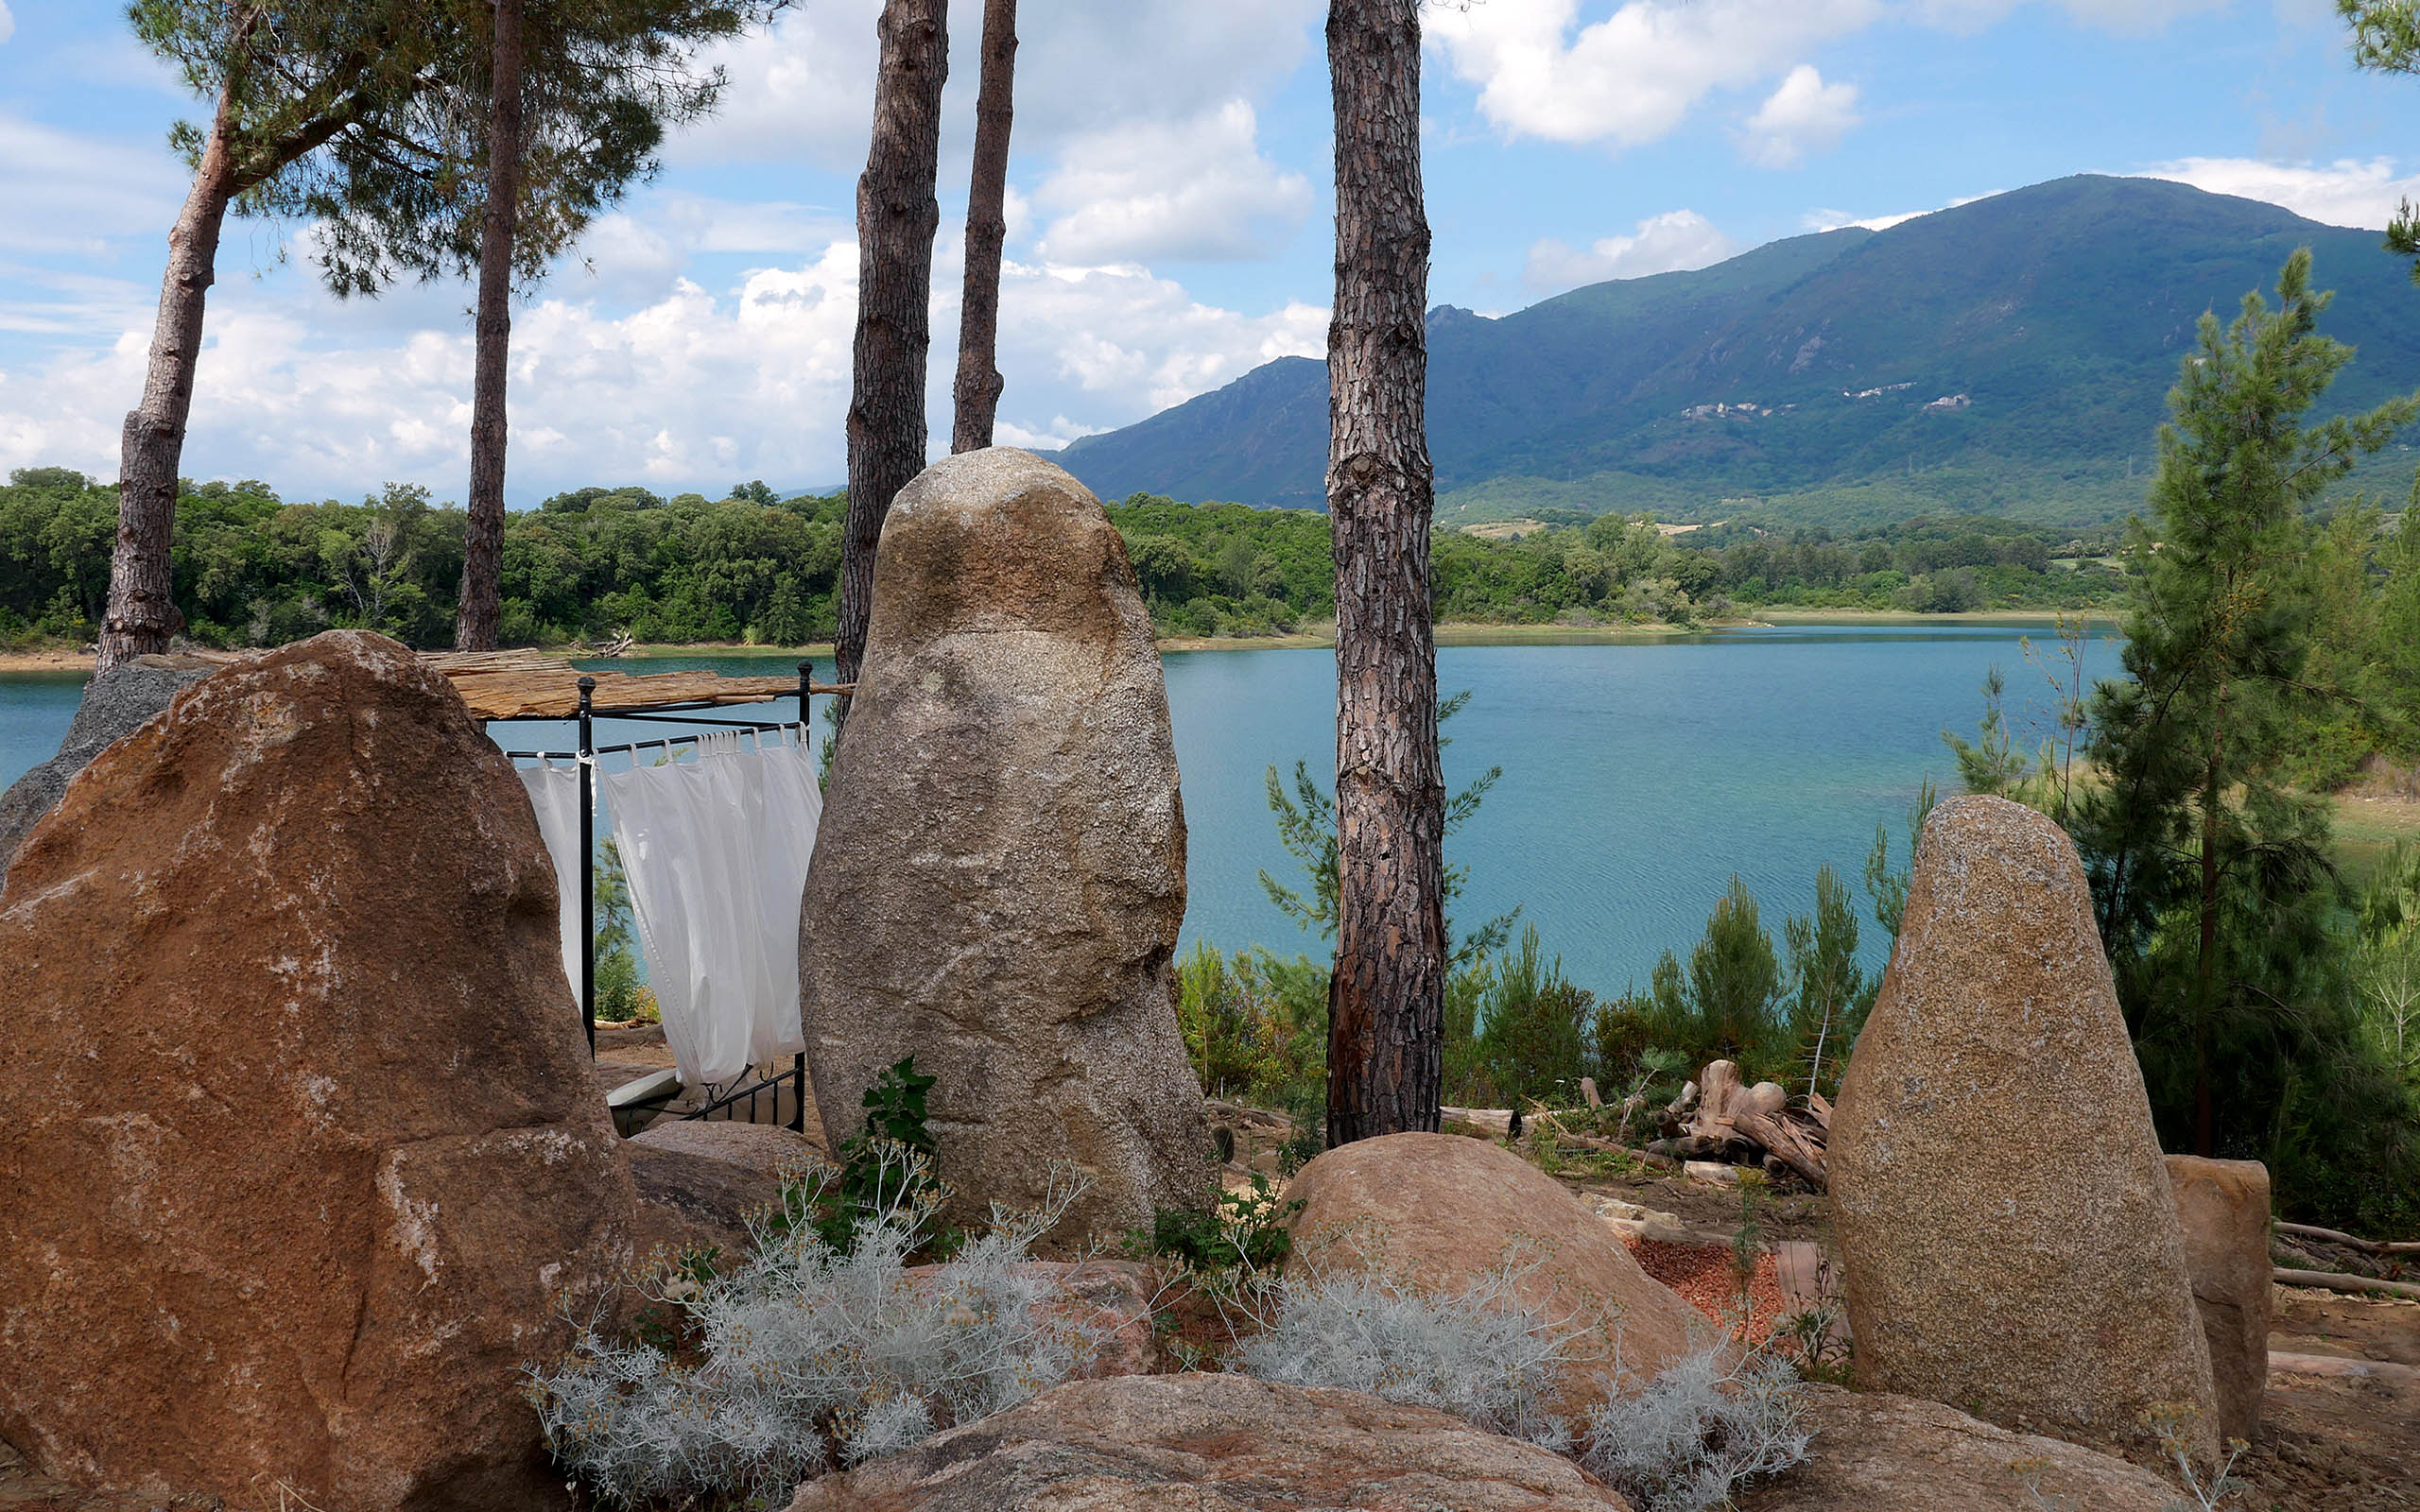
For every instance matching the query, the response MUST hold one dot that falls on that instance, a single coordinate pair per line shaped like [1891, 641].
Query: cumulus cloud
[1189, 189]
[1662, 244]
[1545, 69]
[802, 92]
[7, 23]
[2344, 193]
[1634, 76]
[1805, 115]
[693, 389]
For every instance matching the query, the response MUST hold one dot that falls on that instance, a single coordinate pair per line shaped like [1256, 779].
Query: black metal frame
[669, 714]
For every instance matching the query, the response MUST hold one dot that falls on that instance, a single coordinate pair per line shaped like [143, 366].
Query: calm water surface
[1637, 777]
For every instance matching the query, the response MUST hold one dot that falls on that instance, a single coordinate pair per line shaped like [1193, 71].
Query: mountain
[2010, 356]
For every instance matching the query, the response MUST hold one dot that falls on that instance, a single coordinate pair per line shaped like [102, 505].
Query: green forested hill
[2007, 356]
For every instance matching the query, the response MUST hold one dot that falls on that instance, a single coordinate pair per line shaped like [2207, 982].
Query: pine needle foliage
[2210, 870]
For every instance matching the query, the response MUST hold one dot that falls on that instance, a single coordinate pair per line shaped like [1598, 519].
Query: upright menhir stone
[2011, 1245]
[1000, 874]
[2223, 1206]
[297, 1144]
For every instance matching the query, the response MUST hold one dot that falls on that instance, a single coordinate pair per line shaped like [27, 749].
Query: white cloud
[1631, 75]
[804, 91]
[2344, 193]
[1802, 116]
[1662, 244]
[1634, 76]
[1138, 341]
[1190, 189]
[7, 23]
[693, 389]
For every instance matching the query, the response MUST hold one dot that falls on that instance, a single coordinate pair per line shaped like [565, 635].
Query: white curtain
[716, 852]
[554, 794]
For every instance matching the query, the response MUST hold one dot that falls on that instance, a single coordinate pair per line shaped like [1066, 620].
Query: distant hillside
[2010, 357]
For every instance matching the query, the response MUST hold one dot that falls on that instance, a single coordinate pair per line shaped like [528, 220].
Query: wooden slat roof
[528, 685]
[525, 685]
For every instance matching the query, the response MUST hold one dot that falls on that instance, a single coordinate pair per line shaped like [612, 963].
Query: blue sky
[1170, 210]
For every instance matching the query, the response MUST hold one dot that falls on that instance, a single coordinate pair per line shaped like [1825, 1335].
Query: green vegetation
[2218, 902]
[886, 1167]
[252, 569]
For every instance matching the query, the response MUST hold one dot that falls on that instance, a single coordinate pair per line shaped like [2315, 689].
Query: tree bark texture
[480, 616]
[142, 615]
[1386, 1000]
[897, 215]
[977, 393]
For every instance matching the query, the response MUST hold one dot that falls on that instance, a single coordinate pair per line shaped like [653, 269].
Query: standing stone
[2011, 1246]
[2223, 1206]
[1000, 874]
[298, 1143]
[116, 703]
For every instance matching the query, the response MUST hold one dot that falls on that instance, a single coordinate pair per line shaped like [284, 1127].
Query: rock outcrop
[1877, 1452]
[1212, 1443]
[1441, 1211]
[116, 704]
[1000, 875]
[1995, 1260]
[2223, 1206]
[299, 1146]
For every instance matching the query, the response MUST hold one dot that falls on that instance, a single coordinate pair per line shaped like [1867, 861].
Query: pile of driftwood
[1717, 1118]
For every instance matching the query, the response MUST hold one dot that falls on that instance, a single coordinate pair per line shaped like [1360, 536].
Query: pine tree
[976, 392]
[897, 215]
[2210, 874]
[1386, 998]
[287, 81]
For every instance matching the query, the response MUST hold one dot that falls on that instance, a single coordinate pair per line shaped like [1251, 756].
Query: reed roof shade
[527, 685]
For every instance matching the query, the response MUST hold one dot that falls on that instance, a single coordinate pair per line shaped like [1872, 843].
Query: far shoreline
[65, 659]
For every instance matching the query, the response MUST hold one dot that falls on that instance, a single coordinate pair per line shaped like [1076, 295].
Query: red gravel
[1703, 1275]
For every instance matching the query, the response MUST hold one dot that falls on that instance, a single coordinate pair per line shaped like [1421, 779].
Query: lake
[1638, 777]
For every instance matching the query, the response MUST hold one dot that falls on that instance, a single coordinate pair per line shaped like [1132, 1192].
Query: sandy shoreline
[69, 659]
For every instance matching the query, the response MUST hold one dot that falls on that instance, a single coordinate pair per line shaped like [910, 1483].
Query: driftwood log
[2356, 1285]
[2331, 1236]
[1719, 1118]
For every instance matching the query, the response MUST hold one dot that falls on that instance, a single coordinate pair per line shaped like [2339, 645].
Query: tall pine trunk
[141, 613]
[897, 215]
[1386, 1000]
[976, 392]
[481, 613]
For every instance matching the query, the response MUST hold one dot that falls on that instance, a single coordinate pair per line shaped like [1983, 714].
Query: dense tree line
[251, 568]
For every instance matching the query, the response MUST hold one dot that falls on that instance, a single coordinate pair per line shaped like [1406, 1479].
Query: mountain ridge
[2009, 355]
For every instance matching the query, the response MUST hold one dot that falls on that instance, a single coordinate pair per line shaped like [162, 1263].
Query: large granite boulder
[1877, 1452]
[2223, 1206]
[300, 1147]
[1212, 1443]
[2011, 1245]
[1440, 1211]
[1000, 874]
[116, 704]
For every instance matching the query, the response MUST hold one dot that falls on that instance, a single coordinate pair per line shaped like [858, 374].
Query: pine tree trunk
[1385, 1000]
[897, 215]
[480, 616]
[142, 615]
[977, 391]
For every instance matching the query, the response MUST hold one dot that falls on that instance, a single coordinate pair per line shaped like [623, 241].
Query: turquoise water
[1637, 777]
